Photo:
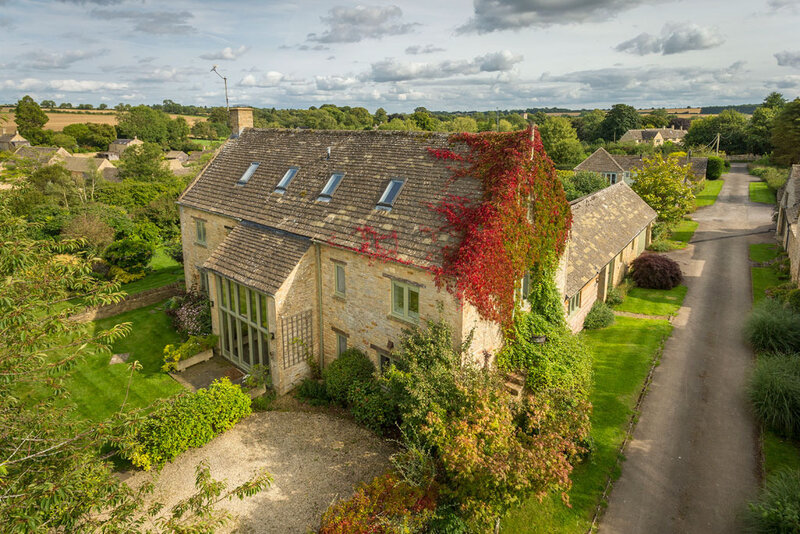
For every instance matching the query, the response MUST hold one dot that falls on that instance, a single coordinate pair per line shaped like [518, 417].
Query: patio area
[203, 374]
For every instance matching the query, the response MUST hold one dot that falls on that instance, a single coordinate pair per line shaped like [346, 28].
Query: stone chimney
[240, 118]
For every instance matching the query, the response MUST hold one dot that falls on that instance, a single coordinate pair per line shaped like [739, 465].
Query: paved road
[692, 463]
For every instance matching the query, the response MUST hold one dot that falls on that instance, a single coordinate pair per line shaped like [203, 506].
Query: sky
[442, 54]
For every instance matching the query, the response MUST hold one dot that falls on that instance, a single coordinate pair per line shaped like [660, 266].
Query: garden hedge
[186, 421]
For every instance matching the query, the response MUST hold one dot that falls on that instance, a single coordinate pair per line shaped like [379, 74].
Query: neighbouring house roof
[603, 224]
[790, 195]
[369, 161]
[41, 154]
[647, 134]
[8, 138]
[84, 165]
[176, 154]
[602, 161]
[257, 257]
[125, 141]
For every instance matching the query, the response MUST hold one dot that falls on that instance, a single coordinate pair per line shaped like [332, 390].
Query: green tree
[759, 130]
[52, 475]
[560, 141]
[786, 133]
[50, 104]
[102, 106]
[666, 187]
[380, 116]
[659, 118]
[55, 182]
[619, 120]
[144, 163]
[774, 100]
[587, 125]
[461, 124]
[729, 124]
[65, 141]
[424, 120]
[145, 123]
[29, 117]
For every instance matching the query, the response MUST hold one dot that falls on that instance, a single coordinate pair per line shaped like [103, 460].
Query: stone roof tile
[603, 224]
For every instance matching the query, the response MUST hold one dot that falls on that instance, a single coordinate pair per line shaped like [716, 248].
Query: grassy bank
[761, 193]
[709, 194]
[623, 354]
[653, 301]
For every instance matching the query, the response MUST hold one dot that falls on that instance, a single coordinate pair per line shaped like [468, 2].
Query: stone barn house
[616, 168]
[653, 136]
[118, 146]
[43, 155]
[610, 228]
[787, 230]
[12, 141]
[310, 242]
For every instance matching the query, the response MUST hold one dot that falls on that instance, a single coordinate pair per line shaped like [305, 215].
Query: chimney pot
[240, 119]
[329, 153]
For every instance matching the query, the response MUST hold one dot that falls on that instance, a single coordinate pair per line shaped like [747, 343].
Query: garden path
[692, 463]
[314, 459]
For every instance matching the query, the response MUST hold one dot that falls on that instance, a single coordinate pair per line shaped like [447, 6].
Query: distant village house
[118, 146]
[653, 136]
[616, 168]
[12, 140]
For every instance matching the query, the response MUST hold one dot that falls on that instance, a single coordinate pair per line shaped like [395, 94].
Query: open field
[57, 121]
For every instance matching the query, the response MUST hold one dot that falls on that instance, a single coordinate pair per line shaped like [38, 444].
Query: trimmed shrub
[385, 505]
[716, 166]
[130, 254]
[195, 345]
[185, 421]
[773, 327]
[371, 405]
[774, 390]
[350, 367]
[655, 271]
[616, 295]
[313, 392]
[660, 245]
[600, 316]
[778, 507]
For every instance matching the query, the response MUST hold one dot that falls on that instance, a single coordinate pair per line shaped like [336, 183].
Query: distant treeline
[747, 109]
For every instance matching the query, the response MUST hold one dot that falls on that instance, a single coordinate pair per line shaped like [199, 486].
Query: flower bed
[197, 349]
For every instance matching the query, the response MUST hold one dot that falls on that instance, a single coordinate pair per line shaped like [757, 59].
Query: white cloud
[392, 70]
[227, 53]
[354, 24]
[674, 39]
[70, 86]
[788, 59]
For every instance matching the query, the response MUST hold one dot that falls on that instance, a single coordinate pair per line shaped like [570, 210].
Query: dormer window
[330, 187]
[287, 178]
[386, 201]
[248, 173]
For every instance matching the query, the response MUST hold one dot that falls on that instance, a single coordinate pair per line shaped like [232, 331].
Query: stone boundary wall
[131, 302]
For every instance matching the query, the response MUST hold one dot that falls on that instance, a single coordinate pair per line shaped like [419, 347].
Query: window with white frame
[405, 301]
[340, 286]
[200, 231]
[611, 177]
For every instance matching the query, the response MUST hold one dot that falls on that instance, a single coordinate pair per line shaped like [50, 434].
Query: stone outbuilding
[118, 146]
[310, 242]
[12, 141]
[610, 228]
[81, 167]
[616, 168]
[787, 230]
[43, 155]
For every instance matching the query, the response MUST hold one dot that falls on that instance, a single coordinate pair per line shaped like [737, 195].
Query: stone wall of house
[792, 243]
[195, 254]
[622, 261]
[364, 315]
[294, 303]
[131, 302]
[588, 298]
[487, 336]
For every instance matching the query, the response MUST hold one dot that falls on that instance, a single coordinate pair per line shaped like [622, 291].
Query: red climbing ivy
[523, 219]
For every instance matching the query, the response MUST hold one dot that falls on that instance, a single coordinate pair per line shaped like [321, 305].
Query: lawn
[708, 195]
[780, 453]
[653, 301]
[623, 354]
[764, 252]
[760, 192]
[165, 271]
[680, 236]
[96, 389]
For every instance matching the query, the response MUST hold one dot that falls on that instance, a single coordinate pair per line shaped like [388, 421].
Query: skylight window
[330, 187]
[248, 173]
[287, 178]
[390, 194]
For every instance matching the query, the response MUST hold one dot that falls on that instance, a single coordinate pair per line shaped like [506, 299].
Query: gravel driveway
[314, 459]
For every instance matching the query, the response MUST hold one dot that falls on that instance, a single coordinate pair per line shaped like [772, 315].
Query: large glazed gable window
[330, 187]
[386, 201]
[244, 323]
[286, 180]
[248, 173]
